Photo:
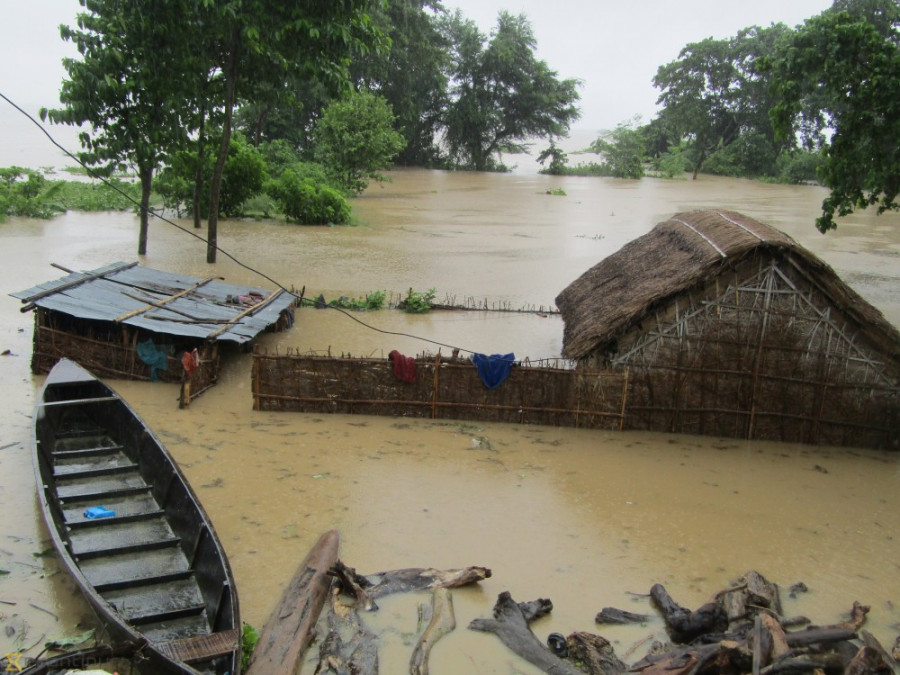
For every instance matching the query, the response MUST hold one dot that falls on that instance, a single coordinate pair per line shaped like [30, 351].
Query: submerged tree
[715, 92]
[259, 45]
[623, 150]
[838, 81]
[411, 76]
[123, 88]
[355, 140]
[500, 94]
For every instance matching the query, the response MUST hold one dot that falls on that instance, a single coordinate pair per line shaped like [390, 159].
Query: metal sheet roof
[162, 302]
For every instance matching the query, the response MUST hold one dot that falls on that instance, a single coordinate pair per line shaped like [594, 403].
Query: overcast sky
[613, 46]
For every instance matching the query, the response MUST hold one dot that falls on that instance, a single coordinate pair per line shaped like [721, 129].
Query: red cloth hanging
[404, 366]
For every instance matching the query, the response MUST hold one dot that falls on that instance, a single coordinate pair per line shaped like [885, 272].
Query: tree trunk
[146, 176]
[212, 241]
[198, 175]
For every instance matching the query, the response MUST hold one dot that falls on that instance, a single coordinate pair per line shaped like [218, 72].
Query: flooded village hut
[127, 321]
[727, 326]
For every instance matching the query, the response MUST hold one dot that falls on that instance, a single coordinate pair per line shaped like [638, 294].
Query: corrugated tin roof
[162, 302]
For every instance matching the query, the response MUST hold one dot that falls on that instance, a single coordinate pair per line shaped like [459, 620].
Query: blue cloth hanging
[154, 357]
[493, 369]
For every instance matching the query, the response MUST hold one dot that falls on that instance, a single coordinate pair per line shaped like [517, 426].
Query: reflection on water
[584, 518]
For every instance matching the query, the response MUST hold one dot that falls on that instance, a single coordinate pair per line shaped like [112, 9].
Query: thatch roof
[689, 250]
[161, 302]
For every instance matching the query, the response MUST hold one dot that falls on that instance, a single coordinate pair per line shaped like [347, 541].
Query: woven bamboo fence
[721, 397]
[443, 389]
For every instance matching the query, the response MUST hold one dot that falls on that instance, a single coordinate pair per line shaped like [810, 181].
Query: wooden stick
[249, 310]
[170, 298]
[441, 622]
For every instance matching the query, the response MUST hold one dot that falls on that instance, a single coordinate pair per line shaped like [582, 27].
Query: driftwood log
[291, 626]
[594, 653]
[511, 626]
[365, 588]
[753, 638]
[684, 625]
[611, 615]
[441, 620]
[350, 647]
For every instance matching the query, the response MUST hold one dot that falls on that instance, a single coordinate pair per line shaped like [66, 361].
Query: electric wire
[249, 268]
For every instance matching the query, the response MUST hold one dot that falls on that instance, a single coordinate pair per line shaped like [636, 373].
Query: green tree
[256, 46]
[242, 178]
[354, 140]
[558, 160]
[411, 76]
[622, 150]
[500, 95]
[849, 68]
[123, 87]
[715, 92]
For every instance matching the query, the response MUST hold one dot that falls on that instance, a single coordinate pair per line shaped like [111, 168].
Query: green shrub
[27, 193]
[242, 178]
[419, 302]
[249, 640]
[306, 201]
[800, 166]
[372, 302]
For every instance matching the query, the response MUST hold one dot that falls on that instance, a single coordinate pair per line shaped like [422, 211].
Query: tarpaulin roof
[162, 302]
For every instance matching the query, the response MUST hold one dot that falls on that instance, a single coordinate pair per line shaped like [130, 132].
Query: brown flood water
[581, 517]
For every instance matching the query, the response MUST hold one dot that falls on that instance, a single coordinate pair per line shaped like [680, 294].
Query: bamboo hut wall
[767, 358]
[111, 351]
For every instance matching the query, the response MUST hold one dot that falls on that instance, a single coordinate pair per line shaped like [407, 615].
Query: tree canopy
[355, 140]
[838, 84]
[715, 92]
[500, 94]
[123, 89]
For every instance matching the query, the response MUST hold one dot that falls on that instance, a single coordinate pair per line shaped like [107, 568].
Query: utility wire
[249, 268]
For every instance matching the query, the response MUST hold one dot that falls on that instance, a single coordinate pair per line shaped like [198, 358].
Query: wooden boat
[151, 564]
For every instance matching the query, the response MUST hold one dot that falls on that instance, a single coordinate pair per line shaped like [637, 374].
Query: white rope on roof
[705, 238]
[740, 225]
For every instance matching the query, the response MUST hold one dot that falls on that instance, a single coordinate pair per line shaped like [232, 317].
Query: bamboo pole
[163, 301]
[249, 310]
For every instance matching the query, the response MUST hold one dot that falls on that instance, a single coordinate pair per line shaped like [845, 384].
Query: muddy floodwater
[587, 519]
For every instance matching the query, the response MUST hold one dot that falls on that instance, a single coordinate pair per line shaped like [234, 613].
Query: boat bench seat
[201, 647]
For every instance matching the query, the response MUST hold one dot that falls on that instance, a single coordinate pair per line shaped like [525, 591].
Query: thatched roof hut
[737, 316]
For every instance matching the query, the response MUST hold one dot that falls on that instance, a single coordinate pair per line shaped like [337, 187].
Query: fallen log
[441, 621]
[365, 588]
[291, 625]
[612, 615]
[748, 593]
[509, 624]
[594, 653]
[684, 625]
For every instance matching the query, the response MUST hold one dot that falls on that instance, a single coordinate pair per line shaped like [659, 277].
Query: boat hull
[130, 530]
